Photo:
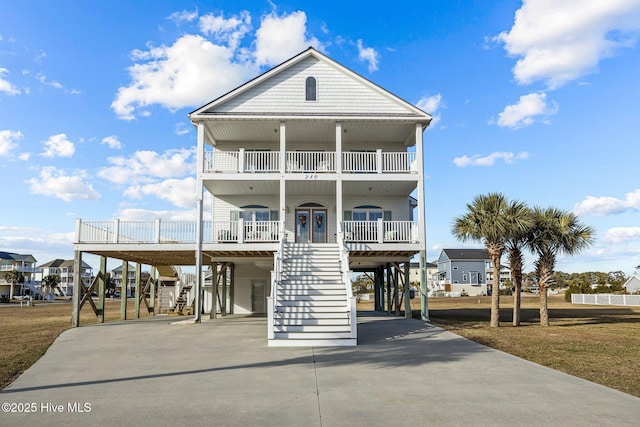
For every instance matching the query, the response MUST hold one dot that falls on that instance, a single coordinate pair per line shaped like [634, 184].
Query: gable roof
[252, 97]
[467, 254]
[61, 263]
[17, 257]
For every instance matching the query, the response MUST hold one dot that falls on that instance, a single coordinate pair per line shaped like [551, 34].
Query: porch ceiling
[308, 187]
[317, 130]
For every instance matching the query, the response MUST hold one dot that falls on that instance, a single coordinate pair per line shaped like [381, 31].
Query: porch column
[407, 294]
[339, 207]
[420, 193]
[77, 293]
[136, 303]
[214, 291]
[197, 301]
[338, 147]
[424, 311]
[424, 306]
[102, 281]
[283, 147]
[152, 291]
[232, 287]
[124, 289]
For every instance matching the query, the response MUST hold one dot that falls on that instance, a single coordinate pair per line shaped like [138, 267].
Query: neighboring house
[64, 270]
[430, 269]
[632, 285]
[129, 283]
[25, 264]
[466, 271]
[310, 169]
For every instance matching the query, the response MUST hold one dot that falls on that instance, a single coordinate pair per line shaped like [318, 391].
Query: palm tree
[485, 221]
[13, 277]
[555, 232]
[520, 220]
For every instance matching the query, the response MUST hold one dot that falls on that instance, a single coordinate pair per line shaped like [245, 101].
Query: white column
[283, 147]
[338, 147]
[199, 218]
[421, 198]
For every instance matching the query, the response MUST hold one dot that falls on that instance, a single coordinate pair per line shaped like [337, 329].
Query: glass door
[319, 228]
[302, 225]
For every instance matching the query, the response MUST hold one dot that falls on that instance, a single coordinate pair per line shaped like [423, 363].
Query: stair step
[313, 304]
[307, 335]
[329, 315]
[311, 291]
[313, 298]
[312, 328]
[312, 322]
[312, 309]
[319, 342]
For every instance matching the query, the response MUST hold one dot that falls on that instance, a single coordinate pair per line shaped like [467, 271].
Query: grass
[597, 343]
[27, 332]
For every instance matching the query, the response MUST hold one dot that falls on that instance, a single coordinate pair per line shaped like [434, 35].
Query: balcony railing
[380, 231]
[244, 161]
[136, 232]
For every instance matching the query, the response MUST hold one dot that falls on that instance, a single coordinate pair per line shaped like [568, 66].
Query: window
[367, 213]
[311, 89]
[251, 213]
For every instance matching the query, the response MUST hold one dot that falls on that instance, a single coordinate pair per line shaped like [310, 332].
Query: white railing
[605, 299]
[243, 161]
[380, 231]
[261, 161]
[359, 162]
[311, 161]
[240, 231]
[20, 268]
[276, 277]
[346, 280]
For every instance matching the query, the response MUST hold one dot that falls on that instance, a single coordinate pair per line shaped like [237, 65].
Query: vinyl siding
[285, 93]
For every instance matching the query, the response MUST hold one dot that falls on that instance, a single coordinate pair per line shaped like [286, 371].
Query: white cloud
[181, 128]
[58, 146]
[8, 141]
[368, 55]
[190, 72]
[137, 214]
[180, 192]
[618, 235]
[43, 244]
[431, 104]
[147, 166]
[607, 205]
[227, 31]
[477, 160]
[184, 16]
[558, 42]
[53, 182]
[112, 141]
[280, 37]
[6, 86]
[526, 110]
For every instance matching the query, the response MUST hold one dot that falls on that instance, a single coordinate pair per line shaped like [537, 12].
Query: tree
[485, 221]
[519, 221]
[555, 232]
[13, 277]
[51, 281]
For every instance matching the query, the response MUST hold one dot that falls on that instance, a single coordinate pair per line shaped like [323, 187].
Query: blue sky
[538, 100]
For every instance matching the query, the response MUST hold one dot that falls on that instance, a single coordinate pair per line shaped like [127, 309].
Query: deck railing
[380, 231]
[158, 231]
[243, 161]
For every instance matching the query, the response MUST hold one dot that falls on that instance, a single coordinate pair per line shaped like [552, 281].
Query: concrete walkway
[221, 373]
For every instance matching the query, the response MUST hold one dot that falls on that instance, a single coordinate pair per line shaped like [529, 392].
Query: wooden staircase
[311, 303]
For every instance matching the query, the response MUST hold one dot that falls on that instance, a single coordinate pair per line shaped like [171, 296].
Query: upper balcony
[244, 161]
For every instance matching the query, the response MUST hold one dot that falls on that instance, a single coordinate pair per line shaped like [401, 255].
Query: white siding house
[313, 172]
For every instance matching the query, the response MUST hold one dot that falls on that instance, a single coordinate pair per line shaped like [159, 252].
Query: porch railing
[158, 231]
[243, 161]
[380, 231]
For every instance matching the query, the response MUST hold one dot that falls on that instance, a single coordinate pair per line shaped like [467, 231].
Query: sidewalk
[403, 373]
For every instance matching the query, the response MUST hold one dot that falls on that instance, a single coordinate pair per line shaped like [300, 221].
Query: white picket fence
[605, 299]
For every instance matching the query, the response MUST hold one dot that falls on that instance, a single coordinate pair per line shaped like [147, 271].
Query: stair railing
[346, 279]
[276, 278]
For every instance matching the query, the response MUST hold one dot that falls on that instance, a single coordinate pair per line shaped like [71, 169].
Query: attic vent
[310, 89]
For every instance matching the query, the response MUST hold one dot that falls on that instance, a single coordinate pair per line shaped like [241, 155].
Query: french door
[311, 225]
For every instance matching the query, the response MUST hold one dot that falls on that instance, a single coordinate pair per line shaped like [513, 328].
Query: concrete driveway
[403, 373]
